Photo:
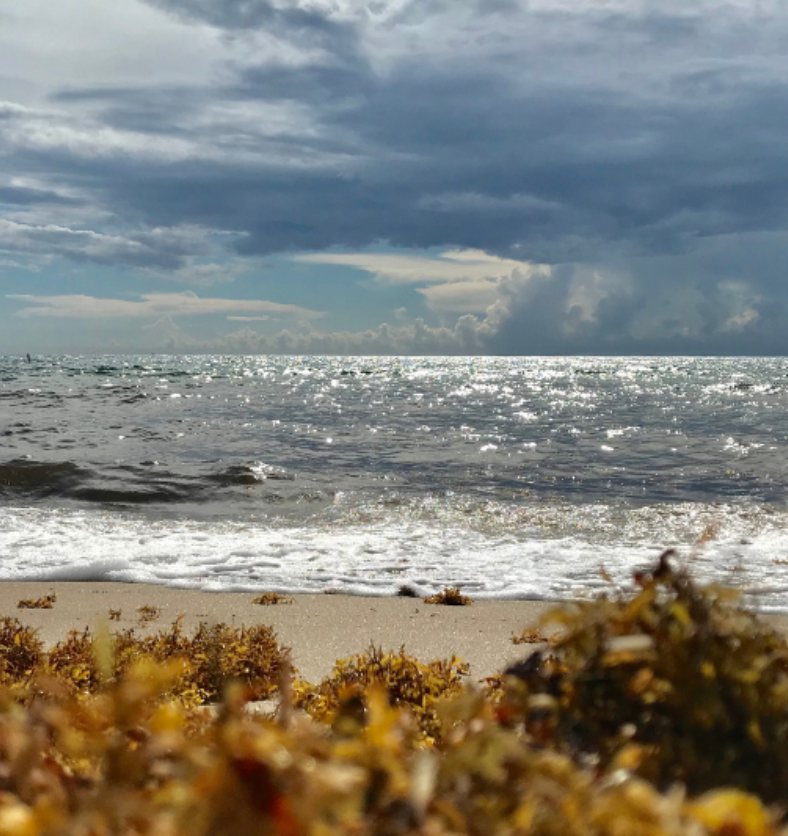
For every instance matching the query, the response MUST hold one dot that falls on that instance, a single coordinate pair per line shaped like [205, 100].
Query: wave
[149, 483]
[39, 479]
[251, 474]
[376, 555]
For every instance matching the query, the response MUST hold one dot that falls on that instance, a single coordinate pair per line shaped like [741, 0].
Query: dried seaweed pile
[268, 599]
[46, 602]
[125, 762]
[209, 659]
[340, 699]
[678, 683]
[634, 689]
[449, 596]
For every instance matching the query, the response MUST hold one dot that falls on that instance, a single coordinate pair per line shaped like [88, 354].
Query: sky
[514, 177]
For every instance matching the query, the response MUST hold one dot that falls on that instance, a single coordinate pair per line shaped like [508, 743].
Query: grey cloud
[162, 110]
[162, 248]
[248, 14]
[306, 26]
[615, 175]
[607, 170]
[20, 196]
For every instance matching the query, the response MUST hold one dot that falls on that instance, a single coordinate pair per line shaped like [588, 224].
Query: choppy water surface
[511, 477]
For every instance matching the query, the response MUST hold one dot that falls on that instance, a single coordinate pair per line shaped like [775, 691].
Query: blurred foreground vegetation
[661, 712]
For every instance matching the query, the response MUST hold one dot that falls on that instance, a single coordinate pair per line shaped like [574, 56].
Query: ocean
[540, 478]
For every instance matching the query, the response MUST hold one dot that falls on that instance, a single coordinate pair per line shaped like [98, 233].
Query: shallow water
[512, 477]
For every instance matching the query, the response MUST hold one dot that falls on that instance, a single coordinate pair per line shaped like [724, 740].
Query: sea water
[541, 478]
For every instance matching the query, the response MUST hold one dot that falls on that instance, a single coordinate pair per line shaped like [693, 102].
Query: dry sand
[318, 628]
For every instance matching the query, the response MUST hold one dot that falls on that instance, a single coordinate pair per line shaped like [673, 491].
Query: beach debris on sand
[46, 602]
[529, 635]
[148, 613]
[449, 596]
[209, 660]
[270, 598]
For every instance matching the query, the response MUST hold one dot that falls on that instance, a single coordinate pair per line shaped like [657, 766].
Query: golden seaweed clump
[20, 652]
[148, 613]
[269, 598]
[250, 656]
[678, 684]
[529, 635]
[47, 602]
[209, 661]
[129, 761]
[114, 615]
[450, 596]
[340, 698]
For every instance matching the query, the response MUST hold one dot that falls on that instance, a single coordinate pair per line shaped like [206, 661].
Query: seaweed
[678, 684]
[449, 596]
[148, 613]
[340, 698]
[130, 761]
[209, 661]
[662, 713]
[20, 652]
[46, 602]
[270, 598]
[529, 635]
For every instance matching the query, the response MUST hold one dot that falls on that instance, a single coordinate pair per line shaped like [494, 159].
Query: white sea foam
[373, 558]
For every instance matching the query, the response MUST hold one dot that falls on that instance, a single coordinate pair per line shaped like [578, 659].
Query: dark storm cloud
[601, 175]
[620, 171]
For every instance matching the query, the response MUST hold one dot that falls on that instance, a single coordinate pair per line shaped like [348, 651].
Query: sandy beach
[318, 628]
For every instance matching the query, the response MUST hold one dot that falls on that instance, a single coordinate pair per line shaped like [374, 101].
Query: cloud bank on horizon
[397, 176]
